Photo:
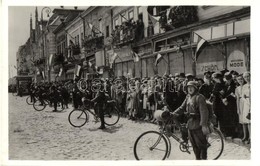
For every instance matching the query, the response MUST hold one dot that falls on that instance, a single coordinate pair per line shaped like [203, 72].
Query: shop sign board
[209, 66]
[236, 61]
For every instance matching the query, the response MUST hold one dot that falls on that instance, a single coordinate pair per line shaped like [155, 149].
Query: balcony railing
[130, 31]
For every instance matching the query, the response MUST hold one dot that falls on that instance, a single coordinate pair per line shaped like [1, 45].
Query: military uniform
[196, 109]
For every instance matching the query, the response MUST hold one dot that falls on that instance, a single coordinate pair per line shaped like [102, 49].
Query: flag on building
[112, 59]
[154, 19]
[135, 56]
[50, 59]
[89, 64]
[43, 75]
[61, 70]
[158, 58]
[90, 26]
[201, 42]
[77, 70]
[38, 71]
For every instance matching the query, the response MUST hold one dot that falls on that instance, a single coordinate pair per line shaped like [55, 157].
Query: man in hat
[216, 98]
[231, 116]
[207, 87]
[194, 106]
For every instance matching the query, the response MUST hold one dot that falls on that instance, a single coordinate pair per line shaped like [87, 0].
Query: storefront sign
[209, 66]
[236, 61]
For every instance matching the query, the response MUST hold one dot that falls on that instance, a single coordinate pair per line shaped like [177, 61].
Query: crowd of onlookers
[138, 98]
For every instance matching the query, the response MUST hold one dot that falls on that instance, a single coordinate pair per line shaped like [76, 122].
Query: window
[139, 10]
[123, 17]
[116, 22]
[100, 25]
[131, 15]
[107, 31]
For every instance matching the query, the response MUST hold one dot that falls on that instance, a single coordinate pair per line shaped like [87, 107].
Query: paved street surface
[46, 135]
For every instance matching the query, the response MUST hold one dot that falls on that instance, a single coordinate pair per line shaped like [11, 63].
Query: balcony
[129, 32]
[179, 16]
[92, 44]
[39, 62]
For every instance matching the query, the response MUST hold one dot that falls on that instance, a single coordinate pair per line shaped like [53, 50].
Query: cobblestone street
[46, 135]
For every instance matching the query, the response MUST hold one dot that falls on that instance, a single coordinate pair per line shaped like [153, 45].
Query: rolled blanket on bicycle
[161, 115]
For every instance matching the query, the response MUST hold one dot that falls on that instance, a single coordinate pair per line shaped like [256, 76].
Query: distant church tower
[31, 30]
[37, 27]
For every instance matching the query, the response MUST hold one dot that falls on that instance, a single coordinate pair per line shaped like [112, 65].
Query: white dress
[246, 102]
[240, 102]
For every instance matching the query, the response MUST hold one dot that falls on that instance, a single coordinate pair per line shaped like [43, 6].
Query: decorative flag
[90, 26]
[135, 56]
[38, 71]
[43, 75]
[158, 58]
[77, 71]
[60, 73]
[200, 45]
[89, 63]
[50, 59]
[154, 19]
[112, 60]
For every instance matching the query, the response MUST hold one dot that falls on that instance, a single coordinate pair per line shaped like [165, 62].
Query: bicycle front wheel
[215, 144]
[151, 145]
[111, 116]
[78, 118]
[38, 105]
[29, 100]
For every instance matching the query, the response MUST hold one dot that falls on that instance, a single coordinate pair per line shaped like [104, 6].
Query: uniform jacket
[198, 110]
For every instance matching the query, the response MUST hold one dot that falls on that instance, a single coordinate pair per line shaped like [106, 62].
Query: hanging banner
[100, 59]
[236, 61]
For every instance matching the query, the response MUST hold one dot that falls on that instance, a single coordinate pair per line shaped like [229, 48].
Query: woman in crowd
[240, 104]
[247, 103]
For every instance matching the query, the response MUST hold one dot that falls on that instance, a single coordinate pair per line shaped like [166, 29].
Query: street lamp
[48, 11]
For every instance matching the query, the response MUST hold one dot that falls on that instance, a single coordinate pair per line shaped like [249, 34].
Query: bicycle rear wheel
[38, 105]
[29, 101]
[216, 144]
[78, 118]
[151, 145]
[111, 116]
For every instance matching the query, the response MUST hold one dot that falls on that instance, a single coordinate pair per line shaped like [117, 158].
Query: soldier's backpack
[212, 117]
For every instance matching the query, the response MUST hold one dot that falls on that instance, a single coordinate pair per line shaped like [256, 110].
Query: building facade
[92, 37]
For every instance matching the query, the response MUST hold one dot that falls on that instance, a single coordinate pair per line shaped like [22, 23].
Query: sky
[19, 29]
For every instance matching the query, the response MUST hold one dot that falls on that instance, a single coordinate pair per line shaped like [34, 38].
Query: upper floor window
[123, 17]
[131, 14]
[116, 22]
[107, 31]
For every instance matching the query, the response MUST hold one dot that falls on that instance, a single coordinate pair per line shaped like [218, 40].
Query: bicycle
[40, 105]
[158, 144]
[79, 117]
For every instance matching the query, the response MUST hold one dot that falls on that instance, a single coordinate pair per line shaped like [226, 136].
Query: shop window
[218, 32]
[242, 26]
[230, 29]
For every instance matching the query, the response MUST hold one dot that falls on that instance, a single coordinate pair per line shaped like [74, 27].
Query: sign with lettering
[209, 66]
[236, 61]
